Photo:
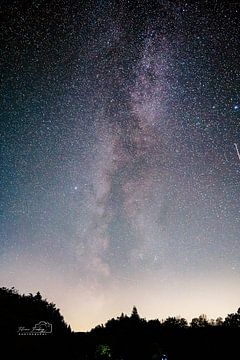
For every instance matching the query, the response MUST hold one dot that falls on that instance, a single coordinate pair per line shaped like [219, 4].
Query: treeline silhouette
[26, 311]
[123, 338]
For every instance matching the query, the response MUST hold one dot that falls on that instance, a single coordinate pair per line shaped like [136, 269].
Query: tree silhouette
[26, 311]
[175, 322]
[219, 321]
[135, 314]
[201, 321]
[233, 320]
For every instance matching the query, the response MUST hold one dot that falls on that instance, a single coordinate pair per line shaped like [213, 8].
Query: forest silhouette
[36, 329]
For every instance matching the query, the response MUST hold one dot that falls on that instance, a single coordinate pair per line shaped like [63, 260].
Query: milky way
[119, 174]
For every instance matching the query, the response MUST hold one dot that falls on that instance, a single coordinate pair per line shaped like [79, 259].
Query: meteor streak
[238, 154]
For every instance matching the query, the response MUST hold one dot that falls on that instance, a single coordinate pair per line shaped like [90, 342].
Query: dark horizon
[125, 337]
[24, 309]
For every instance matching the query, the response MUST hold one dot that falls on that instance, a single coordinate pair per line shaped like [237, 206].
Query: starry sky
[120, 172]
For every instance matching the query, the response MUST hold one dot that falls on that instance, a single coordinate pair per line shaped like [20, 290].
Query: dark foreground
[212, 343]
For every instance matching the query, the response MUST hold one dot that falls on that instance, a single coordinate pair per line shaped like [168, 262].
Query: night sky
[120, 171]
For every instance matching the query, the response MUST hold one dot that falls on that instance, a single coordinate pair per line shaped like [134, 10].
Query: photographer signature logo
[42, 328]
